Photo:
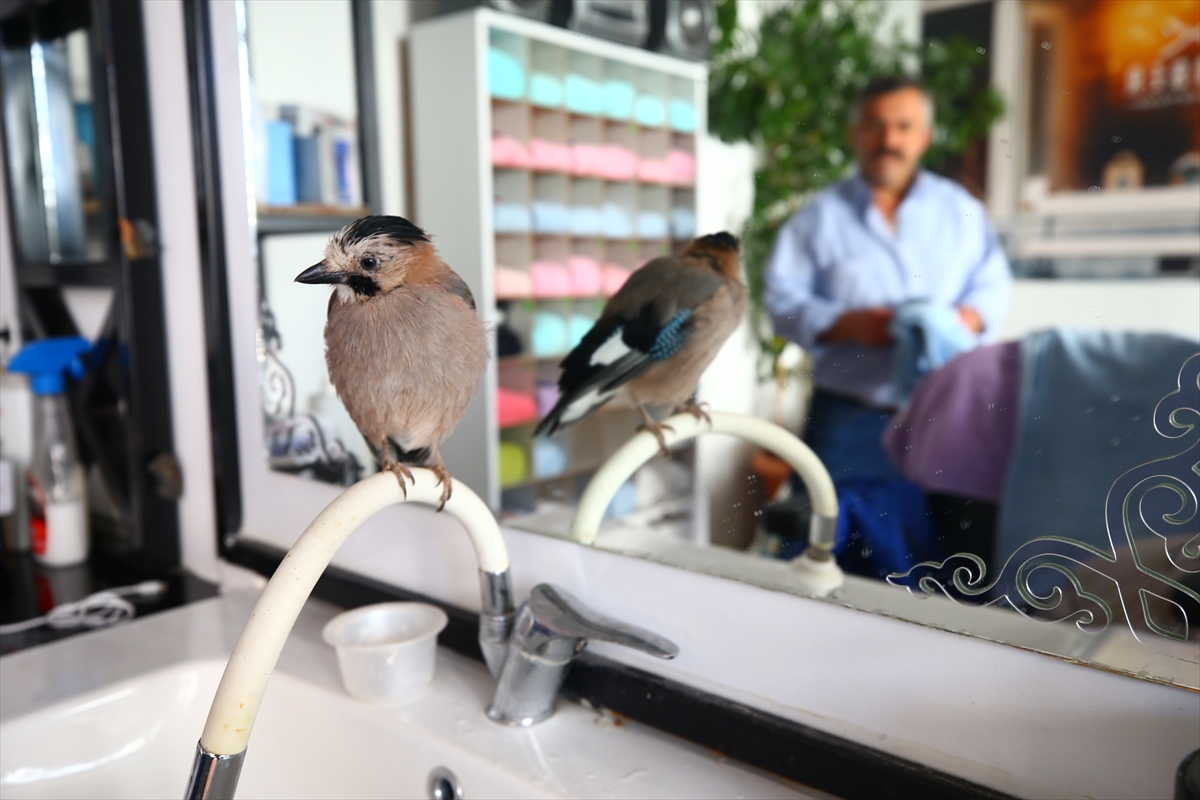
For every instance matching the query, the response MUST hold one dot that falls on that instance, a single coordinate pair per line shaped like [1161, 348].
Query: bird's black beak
[317, 274]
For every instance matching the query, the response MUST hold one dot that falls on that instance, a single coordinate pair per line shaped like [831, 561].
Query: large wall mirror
[1043, 487]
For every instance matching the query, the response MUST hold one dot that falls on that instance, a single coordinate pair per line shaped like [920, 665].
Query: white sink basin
[111, 714]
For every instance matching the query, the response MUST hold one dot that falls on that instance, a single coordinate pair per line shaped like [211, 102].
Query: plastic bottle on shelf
[57, 490]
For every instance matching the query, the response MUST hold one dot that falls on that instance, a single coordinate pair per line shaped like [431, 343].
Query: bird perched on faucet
[404, 346]
[656, 336]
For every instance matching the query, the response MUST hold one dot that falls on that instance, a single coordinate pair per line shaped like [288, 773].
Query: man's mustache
[880, 153]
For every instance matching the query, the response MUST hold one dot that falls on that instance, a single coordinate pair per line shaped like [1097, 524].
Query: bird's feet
[657, 429]
[402, 474]
[697, 410]
[443, 476]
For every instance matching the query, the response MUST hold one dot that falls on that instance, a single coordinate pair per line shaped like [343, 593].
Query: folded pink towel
[509, 152]
[618, 163]
[515, 408]
[550, 280]
[586, 159]
[512, 284]
[682, 166]
[554, 156]
[586, 277]
[654, 170]
[614, 278]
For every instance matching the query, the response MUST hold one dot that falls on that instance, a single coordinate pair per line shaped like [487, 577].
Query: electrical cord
[97, 610]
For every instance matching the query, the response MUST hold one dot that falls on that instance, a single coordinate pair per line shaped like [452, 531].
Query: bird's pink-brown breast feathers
[404, 345]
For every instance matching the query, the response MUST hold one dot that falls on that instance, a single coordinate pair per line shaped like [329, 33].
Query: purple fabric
[956, 436]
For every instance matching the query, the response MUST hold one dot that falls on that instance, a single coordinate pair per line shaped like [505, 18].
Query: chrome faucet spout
[495, 618]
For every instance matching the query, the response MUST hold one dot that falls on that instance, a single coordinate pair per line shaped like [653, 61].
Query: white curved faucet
[815, 568]
[222, 745]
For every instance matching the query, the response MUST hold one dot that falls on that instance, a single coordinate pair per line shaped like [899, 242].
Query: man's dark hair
[887, 84]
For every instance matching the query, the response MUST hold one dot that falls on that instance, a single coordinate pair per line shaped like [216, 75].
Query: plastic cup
[386, 651]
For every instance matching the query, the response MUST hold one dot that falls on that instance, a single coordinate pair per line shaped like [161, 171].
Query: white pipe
[642, 447]
[236, 703]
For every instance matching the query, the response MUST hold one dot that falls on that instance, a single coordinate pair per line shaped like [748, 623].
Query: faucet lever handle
[561, 614]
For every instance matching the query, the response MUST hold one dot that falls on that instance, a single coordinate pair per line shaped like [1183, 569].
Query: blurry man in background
[888, 235]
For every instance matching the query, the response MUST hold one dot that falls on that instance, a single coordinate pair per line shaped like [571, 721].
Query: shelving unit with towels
[549, 166]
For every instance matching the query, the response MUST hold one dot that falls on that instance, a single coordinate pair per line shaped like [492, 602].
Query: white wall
[390, 20]
[170, 117]
[1168, 305]
[303, 52]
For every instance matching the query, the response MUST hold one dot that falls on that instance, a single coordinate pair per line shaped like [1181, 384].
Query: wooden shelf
[306, 218]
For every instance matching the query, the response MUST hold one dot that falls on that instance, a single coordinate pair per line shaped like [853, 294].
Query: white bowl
[386, 651]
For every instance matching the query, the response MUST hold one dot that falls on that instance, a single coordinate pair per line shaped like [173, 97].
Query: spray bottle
[58, 517]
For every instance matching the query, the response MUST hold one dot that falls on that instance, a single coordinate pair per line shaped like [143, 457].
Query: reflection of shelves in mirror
[582, 199]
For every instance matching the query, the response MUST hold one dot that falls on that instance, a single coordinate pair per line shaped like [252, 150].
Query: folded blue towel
[1085, 417]
[585, 221]
[506, 78]
[615, 221]
[550, 216]
[510, 217]
[545, 90]
[683, 223]
[652, 225]
[577, 328]
[682, 115]
[583, 94]
[618, 99]
[649, 111]
[281, 164]
[927, 336]
[549, 334]
[549, 457]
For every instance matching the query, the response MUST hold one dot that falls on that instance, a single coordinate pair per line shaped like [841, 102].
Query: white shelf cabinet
[542, 207]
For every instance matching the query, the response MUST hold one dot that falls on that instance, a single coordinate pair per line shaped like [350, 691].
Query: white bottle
[58, 517]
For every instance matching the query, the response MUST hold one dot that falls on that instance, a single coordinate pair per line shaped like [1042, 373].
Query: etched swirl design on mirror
[278, 391]
[1151, 511]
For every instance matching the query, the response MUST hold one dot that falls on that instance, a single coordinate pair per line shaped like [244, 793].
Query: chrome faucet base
[552, 628]
[214, 777]
[527, 689]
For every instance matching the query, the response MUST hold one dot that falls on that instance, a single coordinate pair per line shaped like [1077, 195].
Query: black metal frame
[211, 223]
[122, 407]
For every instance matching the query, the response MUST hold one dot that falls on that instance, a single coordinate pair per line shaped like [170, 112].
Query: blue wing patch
[671, 338]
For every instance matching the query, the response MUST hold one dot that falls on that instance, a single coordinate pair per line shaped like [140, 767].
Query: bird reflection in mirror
[656, 336]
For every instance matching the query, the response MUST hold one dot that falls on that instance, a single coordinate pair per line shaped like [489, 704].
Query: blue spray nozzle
[46, 360]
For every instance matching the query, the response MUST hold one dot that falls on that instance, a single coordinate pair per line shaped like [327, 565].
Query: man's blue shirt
[838, 253]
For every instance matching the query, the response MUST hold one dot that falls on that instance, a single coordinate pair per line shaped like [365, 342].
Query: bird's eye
[369, 263]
